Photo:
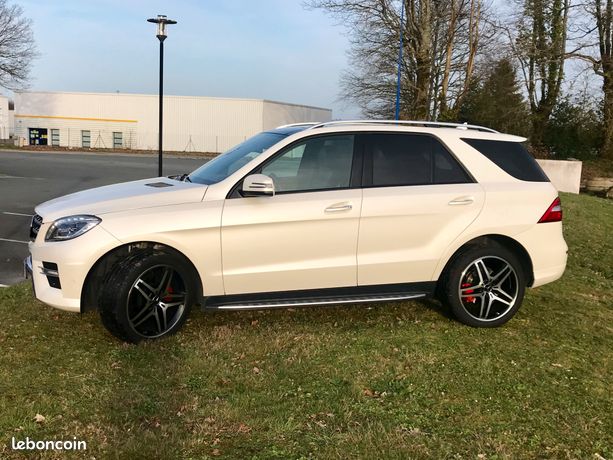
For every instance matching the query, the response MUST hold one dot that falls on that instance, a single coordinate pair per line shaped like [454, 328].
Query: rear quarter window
[512, 157]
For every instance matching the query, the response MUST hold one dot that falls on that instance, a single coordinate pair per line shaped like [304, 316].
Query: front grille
[35, 226]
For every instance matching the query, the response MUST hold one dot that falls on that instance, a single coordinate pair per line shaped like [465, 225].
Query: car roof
[437, 129]
[290, 129]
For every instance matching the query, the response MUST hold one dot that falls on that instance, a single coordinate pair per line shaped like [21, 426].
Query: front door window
[319, 163]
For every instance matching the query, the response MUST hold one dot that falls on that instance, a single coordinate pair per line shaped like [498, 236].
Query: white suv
[330, 213]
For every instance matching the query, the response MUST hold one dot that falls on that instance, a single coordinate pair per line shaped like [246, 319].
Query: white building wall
[190, 123]
[4, 118]
[71, 131]
[202, 124]
[565, 175]
[277, 114]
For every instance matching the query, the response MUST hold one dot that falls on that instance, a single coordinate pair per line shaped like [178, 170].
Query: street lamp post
[161, 21]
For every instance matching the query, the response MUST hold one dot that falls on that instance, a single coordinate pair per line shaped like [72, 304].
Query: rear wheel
[147, 295]
[484, 287]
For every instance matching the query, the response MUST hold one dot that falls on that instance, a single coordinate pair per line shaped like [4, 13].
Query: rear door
[417, 199]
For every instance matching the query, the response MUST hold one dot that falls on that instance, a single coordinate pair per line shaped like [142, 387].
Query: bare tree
[441, 41]
[593, 44]
[604, 24]
[540, 46]
[17, 48]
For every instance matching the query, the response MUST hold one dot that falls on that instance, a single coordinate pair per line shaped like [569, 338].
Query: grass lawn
[386, 381]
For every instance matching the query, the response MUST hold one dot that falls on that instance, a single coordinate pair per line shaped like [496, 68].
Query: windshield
[231, 161]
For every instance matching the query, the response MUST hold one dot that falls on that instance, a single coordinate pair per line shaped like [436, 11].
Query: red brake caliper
[168, 292]
[470, 298]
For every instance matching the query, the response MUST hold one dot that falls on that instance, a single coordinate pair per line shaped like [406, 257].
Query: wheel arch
[98, 271]
[502, 240]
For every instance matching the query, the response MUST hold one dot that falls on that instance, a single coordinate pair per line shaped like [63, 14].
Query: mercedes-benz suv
[329, 213]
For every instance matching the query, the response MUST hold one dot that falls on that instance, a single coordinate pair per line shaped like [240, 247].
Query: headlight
[70, 227]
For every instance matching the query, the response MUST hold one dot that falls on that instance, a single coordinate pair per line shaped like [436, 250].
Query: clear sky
[270, 49]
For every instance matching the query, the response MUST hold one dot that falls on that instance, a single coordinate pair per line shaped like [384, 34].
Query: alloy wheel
[488, 288]
[156, 301]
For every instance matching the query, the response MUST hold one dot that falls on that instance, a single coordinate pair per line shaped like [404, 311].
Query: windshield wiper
[181, 177]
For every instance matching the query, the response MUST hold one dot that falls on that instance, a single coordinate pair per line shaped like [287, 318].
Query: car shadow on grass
[357, 316]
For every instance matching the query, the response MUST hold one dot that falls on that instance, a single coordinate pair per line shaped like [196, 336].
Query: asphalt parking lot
[28, 178]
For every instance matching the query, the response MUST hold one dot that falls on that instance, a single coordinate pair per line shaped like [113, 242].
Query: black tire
[484, 303]
[134, 307]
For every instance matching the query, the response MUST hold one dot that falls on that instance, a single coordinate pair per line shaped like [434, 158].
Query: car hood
[146, 193]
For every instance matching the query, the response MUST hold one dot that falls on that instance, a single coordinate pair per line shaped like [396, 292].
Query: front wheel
[484, 287]
[147, 295]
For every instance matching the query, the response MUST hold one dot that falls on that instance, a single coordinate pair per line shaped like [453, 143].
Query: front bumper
[72, 259]
[47, 294]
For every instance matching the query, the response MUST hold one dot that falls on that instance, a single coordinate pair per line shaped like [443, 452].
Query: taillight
[553, 213]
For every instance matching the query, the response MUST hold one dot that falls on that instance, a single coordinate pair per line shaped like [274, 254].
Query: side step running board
[284, 303]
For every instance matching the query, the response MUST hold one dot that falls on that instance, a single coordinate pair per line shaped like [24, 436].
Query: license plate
[27, 267]
[27, 271]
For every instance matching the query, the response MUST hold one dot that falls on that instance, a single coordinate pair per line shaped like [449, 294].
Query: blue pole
[399, 61]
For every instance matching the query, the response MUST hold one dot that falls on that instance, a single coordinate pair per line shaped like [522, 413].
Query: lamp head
[161, 21]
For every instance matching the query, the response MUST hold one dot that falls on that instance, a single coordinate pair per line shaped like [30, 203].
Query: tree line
[462, 60]
[471, 61]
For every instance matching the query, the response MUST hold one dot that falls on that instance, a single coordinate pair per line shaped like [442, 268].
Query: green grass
[387, 381]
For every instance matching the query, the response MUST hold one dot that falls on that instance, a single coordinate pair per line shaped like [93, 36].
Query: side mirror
[258, 185]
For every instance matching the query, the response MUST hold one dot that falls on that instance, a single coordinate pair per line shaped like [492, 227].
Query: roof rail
[427, 124]
[306, 123]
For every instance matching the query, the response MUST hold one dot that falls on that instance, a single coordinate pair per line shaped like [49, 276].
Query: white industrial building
[6, 118]
[117, 120]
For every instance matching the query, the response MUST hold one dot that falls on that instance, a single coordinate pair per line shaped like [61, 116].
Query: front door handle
[339, 207]
[463, 200]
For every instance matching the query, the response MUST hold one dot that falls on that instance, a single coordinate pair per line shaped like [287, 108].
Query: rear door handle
[339, 207]
[463, 200]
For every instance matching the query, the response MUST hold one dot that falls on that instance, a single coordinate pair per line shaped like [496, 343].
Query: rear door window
[409, 159]
[512, 157]
[446, 168]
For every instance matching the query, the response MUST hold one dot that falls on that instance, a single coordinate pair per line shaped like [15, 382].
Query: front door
[304, 237]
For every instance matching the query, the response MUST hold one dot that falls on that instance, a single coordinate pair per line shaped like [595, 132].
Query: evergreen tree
[575, 129]
[496, 101]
